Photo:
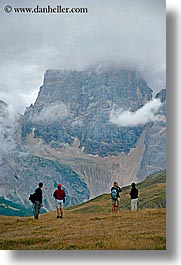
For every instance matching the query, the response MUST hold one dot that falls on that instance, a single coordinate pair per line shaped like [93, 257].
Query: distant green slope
[152, 194]
[9, 208]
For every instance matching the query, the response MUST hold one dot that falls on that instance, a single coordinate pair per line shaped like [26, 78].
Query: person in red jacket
[59, 195]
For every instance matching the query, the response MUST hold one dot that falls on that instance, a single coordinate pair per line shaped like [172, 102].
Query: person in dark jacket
[134, 197]
[59, 195]
[38, 200]
[116, 199]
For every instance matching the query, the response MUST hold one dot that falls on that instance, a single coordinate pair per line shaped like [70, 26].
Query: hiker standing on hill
[59, 195]
[134, 197]
[115, 195]
[38, 200]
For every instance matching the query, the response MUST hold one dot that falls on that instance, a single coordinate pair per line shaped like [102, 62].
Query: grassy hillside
[152, 194]
[92, 226]
[145, 229]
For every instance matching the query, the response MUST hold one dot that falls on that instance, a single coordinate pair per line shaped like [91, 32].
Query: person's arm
[64, 195]
[41, 197]
[38, 195]
[137, 192]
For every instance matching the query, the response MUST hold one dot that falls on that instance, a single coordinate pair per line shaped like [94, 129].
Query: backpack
[32, 197]
[114, 194]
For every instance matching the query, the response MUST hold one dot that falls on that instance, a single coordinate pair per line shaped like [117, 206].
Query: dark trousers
[37, 207]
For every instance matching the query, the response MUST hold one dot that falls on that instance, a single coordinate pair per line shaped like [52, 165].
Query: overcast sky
[125, 32]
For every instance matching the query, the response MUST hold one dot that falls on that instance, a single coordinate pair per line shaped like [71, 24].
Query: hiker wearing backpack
[59, 195]
[134, 197]
[115, 195]
[38, 200]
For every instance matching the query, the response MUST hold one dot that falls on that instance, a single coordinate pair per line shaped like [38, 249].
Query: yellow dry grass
[141, 230]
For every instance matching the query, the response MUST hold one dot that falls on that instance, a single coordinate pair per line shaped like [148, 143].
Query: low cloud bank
[148, 113]
[8, 122]
[52, 112]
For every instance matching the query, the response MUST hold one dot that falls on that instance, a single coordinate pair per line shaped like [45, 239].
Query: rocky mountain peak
[162, 95]
[78, 106]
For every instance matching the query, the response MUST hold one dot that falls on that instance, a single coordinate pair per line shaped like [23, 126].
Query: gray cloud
[124, 32]
[8, 121]
[52, 112]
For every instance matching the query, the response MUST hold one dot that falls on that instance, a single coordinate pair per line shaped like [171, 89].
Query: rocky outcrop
[21, 171]
[31, 169]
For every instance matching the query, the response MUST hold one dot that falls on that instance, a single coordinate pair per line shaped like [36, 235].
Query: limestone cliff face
[154, 158]
[75, 105]
[72, 115]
